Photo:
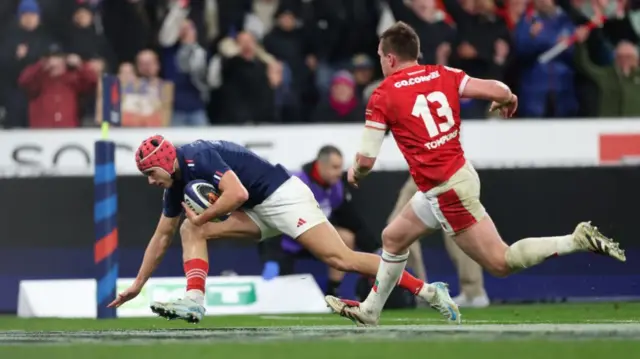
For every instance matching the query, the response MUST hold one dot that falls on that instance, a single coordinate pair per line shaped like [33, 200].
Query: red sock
[410, 283]
[196, 271]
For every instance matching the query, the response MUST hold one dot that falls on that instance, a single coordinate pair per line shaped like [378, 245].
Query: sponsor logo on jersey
[417, 80]
[441, 141]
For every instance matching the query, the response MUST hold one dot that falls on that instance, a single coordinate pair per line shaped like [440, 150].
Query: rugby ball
[199, 195]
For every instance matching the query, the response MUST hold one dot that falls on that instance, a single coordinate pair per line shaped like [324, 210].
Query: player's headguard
[156, 151]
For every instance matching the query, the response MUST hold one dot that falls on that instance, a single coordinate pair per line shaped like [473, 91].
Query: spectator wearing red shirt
[54, 85]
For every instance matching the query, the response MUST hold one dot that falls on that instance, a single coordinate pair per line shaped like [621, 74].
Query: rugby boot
[184, 308]
[442, 302]
[351, 310]
[587, 237]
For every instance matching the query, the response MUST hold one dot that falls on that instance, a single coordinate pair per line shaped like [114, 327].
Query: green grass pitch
[563, 331]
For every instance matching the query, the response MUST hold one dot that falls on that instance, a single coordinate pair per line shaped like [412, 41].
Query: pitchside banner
[512, 143]
[293, 294]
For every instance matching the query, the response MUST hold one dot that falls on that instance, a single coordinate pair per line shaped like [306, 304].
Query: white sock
[196, 295]
[389, 272]
[528, 252]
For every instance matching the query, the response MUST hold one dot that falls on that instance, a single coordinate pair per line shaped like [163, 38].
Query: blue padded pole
[105, 212]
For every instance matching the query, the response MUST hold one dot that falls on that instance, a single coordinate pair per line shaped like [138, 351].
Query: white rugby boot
[587, 237]
[351, 309]
[184, 308]
[441, 301]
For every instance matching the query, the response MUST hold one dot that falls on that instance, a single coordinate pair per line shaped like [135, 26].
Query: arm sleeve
[31, 78]
[172, 202]
[529, 46]
[460, 78]
[170, 30]
[375, 113]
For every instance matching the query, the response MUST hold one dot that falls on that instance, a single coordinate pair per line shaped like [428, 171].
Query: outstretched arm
[374, 132]
[153, 255]
[497, 92]
[157, 247]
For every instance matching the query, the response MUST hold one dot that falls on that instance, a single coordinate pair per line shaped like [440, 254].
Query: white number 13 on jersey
[421, 109]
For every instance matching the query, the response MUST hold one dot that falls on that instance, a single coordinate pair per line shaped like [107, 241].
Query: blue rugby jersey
[209, 160]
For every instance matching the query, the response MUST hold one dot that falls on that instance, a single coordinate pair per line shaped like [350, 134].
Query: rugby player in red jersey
[420, 104]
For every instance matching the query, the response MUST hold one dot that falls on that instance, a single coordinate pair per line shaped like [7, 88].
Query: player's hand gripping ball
[199, 195]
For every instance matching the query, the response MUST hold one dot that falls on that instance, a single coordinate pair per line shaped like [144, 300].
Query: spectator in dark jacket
[25, 44]
[546, 89]
[342, 105]
[343, 28]
[54, 86]
[248, 95]
[84, 40]
[618, 84]
[287, 43]
[184, 62]
[435, 32]
[362, 68]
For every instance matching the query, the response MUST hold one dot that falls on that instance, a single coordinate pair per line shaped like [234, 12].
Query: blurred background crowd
[210, 62]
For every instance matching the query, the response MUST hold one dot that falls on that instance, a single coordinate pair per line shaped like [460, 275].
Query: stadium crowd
[202, 62]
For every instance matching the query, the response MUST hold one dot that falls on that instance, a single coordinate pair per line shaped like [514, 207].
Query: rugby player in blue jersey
[264, 201]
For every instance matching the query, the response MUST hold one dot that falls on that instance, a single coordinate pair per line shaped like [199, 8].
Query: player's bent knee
[392, 241]
[498, 268]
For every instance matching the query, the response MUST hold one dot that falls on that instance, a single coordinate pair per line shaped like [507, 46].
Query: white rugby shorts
[292, 209]
[453, 205]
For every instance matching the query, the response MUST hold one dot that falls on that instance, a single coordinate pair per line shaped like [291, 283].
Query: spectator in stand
[127, 27]
[54, 85]
[343, 28]
[286, 42]
[185, 64]
[260, 19]
[481, 48]
[149, 102]
[625, 25]
[434, 29]
[241, 71]
[287, 103]
[91, 102]
[83, 38]
[127, 75]
[546, 90]
[618, 84]
[342, 105]
[362, 70]
[26, 42]
[512, 12]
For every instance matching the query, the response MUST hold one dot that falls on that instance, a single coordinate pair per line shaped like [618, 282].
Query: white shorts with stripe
[292, 210]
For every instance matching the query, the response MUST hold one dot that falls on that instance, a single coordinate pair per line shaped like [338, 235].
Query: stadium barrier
[230, 295]
[490, 144]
